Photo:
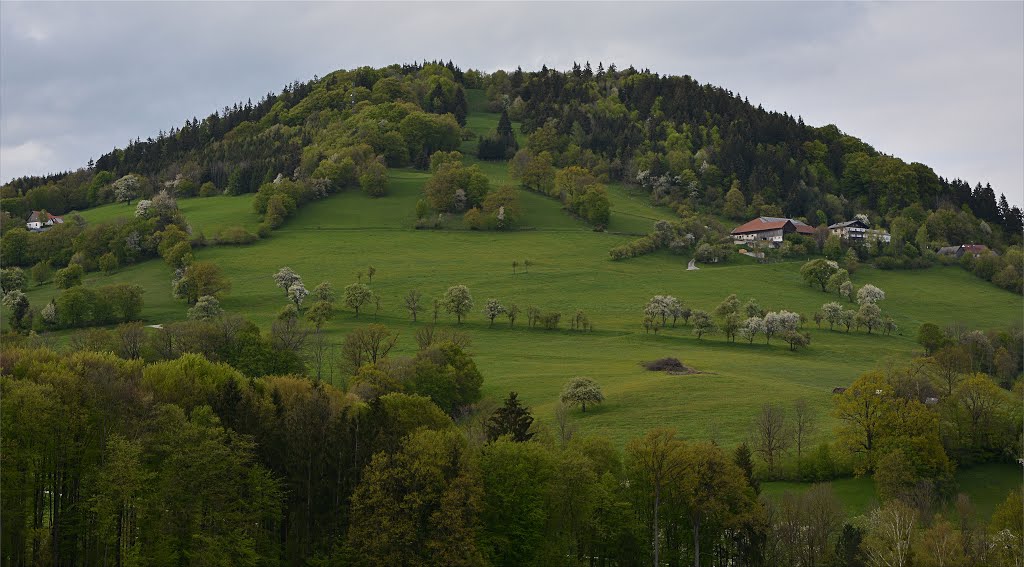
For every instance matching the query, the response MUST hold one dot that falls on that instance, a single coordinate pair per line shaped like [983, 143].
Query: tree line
[120, 460]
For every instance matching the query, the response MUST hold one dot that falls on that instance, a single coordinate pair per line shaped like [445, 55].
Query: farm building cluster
[772, 230]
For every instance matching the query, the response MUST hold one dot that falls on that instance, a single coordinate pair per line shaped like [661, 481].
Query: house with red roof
[42, 220]
[769, 229]
[958, 251]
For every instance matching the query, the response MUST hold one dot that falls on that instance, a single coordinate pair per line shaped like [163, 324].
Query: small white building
[41, 220]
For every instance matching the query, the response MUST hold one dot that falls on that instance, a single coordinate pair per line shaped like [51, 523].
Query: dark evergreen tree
[460, 106]
[745, 461]
[512, 419]
[848, 552]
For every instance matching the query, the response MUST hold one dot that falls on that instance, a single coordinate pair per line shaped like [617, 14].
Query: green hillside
[338, 237]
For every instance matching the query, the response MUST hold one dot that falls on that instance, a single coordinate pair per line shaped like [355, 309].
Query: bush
[69, 277]
[108, 263]
[234, 235]
[667, 364]
[208, 189]
[473, 219]
[888, 263]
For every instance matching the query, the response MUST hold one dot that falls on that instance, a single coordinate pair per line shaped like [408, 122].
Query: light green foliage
[356, 296]
[516, 479]
[419, 505]
[374, 179]
[456, 188]
[68, 277]
[819, 272]
[42, 273]
[199, 279]
[703, 324]
[17, 304]
[108, 263]
[207, 307]
[458, 301]
[324, 291]
[12, 279]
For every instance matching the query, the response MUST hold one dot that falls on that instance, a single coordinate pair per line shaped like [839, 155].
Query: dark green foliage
[848, 553]
[511, 419]
[447, 375]
[85, 306]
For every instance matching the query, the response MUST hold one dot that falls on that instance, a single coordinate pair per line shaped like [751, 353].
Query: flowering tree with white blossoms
[297, 294]
[285, 278]
[492, 309]
[751, 328]
[458, 301]
[869, 294]
[778, 322]
[142, 209]
[127, 188]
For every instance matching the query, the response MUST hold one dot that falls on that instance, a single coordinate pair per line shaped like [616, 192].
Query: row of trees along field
[162, 455]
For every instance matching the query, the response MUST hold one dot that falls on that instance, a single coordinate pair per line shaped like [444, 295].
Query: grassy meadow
[570, 269]
[206, 215]
[336, 238]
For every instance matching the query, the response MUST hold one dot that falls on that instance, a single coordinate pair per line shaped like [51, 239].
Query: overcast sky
[939, 83]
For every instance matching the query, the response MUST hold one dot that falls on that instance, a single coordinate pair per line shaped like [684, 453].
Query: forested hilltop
[687, 143]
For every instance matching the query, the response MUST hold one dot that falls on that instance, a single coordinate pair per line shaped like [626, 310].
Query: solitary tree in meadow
[582, 391]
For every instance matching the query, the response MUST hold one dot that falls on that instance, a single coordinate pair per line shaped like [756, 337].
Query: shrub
[208, 189]
[234, 235]
[69, 277]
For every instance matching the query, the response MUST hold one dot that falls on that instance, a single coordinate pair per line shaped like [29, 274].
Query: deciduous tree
[458, 301]
[581, 391]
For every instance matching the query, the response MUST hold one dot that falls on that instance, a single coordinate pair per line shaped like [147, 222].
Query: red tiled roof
[761, 223]
[757, 225]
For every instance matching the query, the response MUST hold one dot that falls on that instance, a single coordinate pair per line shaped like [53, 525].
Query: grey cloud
[940, 83]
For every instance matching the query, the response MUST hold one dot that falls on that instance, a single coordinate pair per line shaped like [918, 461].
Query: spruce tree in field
[505, 127]
[512, 419]
[461, 106]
